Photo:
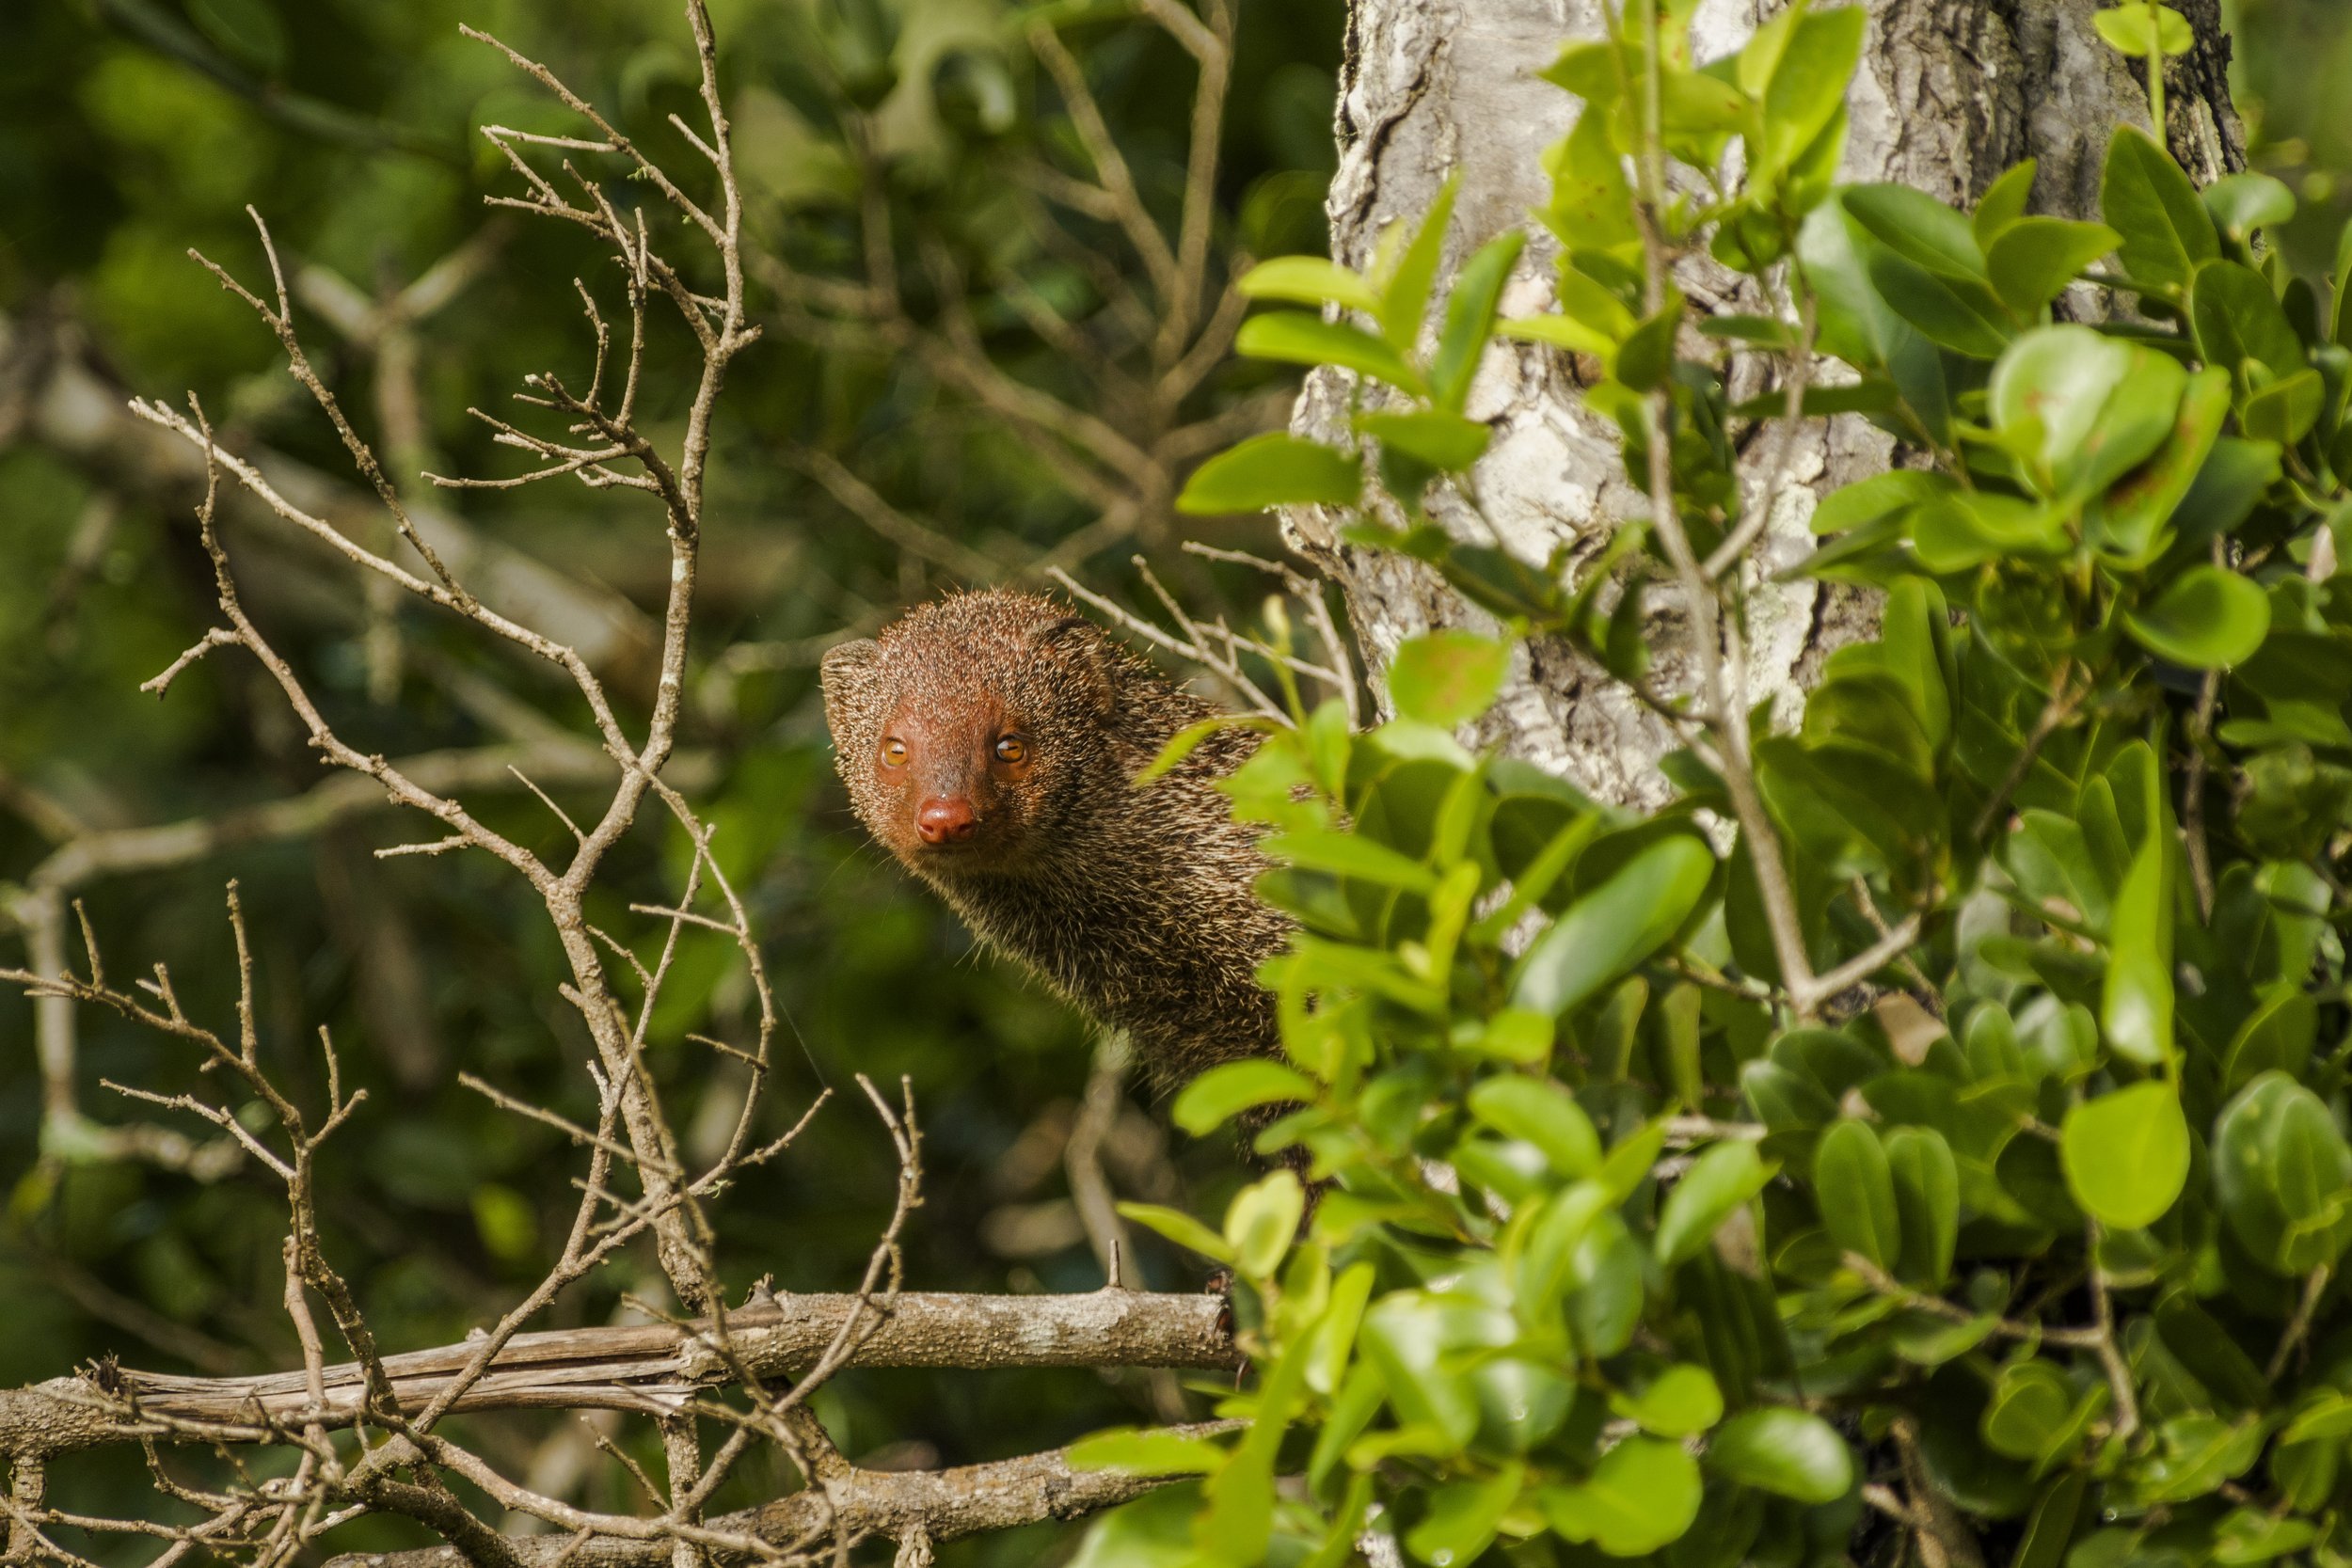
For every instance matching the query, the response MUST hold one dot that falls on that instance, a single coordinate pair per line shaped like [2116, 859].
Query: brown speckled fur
[1135, 904]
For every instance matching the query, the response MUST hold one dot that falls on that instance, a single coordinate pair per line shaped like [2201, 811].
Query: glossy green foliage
[2061, 1197]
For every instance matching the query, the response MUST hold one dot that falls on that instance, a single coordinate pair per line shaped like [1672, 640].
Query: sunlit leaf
[2126, 1154]
[2144, 197]
[1719, 1181]
[1308, 280]
[1225, 1091]
[1543, 1114]
[2139, 29]
[1447, 678]
[1791, 1453]
[1469, 318]
[1272, 470]
[1180, 1228]
[1135, 1453]
[1303, 340]
[1681, 1401]
[1643, 1495]
[1605, 933]
[2035, 258]
[2208, 618]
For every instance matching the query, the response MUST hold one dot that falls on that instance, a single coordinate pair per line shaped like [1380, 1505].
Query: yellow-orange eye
[1011, 747]
[894, 753]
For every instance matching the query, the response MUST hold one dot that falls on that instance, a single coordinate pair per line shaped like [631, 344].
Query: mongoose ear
[846, 674]
[1078, 645]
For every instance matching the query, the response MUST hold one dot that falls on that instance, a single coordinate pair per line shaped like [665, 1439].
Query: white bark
[1950, 93]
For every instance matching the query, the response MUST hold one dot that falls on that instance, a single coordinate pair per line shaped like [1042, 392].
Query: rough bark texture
[1950, 93]
[654, 1368]
[931, 1505]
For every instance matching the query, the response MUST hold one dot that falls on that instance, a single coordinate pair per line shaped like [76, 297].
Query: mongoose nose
[942, 819]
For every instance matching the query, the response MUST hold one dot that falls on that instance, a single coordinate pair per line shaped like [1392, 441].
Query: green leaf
[2208, 618]
[1154, 1532]
[2241, 203]
[1810, 64]
[1447, 678]
[1927, 1196]
[1447, 442]
[1643, 1495]
[2251, 1535]
[2277, 1035]
[2052, 1527]
[1406, 298]
[2126, 1154]
[1345, 854]
[1332, 1349]
[2130, 521]
[2144, 197]
[1866, 500]
[2285, 411]
[1680, 1401]
[1719, 1181]
[1261, 1221]
[1296, 337]
[1592, 203]
[1183, 743]
[2081, 410]
[1462, 1518]
[2138, 29]
[1791, 1453]
[1134, 1452]
[2003, 204]
[2282, 1175]
[1857, 1193]
[1180, 1228]
[1469, 319]
[1589, 68]
[1542, 1113]
[1647, 355]
[2035, 258]
[2238, 319]
[2135, 1001]
[1516, 1035]
[1919, 227]
[1407, 1335]
[1308, 280]
[1616, 925]
[2028, 1413]
[1562, 332]
[1971, 526]
[1222, 1091]
[1273, 470]
[1961, 315]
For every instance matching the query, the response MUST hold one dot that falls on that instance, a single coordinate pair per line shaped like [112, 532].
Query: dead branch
[942, 1504]
[653, 1370]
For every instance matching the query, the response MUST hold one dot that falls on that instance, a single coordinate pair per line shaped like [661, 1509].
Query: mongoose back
[990, 741]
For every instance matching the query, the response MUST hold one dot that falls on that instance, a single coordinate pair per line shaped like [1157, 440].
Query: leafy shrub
[1931, 1122]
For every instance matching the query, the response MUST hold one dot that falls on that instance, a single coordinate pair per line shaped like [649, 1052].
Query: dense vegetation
[2004, 1048]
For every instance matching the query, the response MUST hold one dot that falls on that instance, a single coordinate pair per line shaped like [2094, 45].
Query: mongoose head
[968, 731]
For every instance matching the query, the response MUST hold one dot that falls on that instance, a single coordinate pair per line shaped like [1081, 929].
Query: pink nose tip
[945, 820]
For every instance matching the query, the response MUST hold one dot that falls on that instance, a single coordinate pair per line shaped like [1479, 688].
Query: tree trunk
[1950, 94]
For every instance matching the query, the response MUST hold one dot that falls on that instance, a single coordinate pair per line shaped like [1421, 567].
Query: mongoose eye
[1011, 747]
[894, 753]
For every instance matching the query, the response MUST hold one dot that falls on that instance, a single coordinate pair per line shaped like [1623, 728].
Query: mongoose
[990, 741]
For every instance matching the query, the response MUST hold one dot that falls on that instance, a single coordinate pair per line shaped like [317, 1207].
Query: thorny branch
[635, 1182]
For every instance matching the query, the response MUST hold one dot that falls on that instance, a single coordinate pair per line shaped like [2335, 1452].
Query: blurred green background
[131, 130]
